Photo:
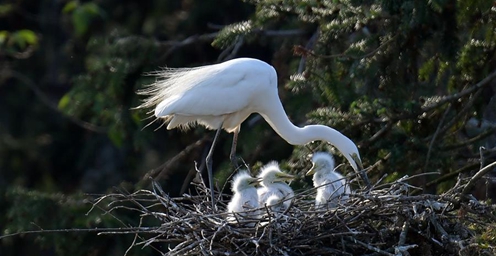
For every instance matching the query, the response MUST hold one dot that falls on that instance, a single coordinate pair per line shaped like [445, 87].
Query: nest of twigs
[386, 220]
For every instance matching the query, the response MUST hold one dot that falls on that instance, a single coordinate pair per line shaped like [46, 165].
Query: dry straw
[386, 220]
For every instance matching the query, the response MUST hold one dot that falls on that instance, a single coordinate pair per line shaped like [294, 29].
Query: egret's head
[243, 180]
[355, 161]
[271, 173]
[322, 162]
[275, 203]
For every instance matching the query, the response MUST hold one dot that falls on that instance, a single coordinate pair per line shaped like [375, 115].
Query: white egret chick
[223, 95]
[273, 184]
[274, 204]
[331, 186]
[245, 197]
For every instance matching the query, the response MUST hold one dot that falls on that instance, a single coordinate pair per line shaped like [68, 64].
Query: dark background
[375, 70]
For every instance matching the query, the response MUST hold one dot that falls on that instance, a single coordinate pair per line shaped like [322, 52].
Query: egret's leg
[232, 155]
[209, 166]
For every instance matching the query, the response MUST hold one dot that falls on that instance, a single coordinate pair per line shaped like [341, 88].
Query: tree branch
[476, 177]
[47, 102]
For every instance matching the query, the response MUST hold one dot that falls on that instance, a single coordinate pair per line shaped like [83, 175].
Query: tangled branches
[383, 221]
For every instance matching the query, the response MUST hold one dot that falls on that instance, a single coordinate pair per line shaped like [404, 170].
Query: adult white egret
[331, 186]
[273, 183]
[222, 96]
[245, 197]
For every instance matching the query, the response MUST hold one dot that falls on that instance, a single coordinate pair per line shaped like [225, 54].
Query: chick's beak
[285, 177]
[311, 171]
[255, 181]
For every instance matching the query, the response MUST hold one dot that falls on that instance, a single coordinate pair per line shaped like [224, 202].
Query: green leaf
[4, 34]
[64, 101]
[427, 69]
[83, 16]
[28, 36]
[23, 38]
[91, 8]
[70, 6]
[5, 9]
[116, 136]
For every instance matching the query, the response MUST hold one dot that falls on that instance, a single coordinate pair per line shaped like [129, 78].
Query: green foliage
[6, 9]
[13, 42]
[228, 35]
[379, 65]
[377, 71]
[34, 210]
[101, 96]
[82, 15]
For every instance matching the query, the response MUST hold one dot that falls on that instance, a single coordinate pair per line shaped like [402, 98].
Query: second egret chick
[274, 204]
[245, 197]
[273, 184]
[331, 185]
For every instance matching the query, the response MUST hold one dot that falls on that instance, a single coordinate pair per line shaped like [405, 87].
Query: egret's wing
[224, 92]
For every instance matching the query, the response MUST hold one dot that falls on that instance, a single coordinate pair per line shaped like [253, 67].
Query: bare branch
[476, 177]
[384, 217]
[47, 102]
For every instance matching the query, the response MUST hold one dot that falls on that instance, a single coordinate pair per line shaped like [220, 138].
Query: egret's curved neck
[278, 120]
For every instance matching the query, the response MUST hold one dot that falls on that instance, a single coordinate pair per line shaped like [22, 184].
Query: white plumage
[222, 96]
[332, 188]
[274, 186]
[274, 204]
[245, 197]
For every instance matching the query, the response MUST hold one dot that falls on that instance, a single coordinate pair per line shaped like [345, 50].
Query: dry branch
[385, 221]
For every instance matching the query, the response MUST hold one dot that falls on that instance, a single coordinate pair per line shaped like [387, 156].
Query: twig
[466, 168]
[134, 239]
[232, 49]
[436, 133]
[370, 247]
[343, 55]
[379, 134]
[480, 136]
[47, 102]
[476, 177]
[462, 113]
[404, 232]
[443, 100]
[310, 45]
[175, 45]
[482, 159]
[165, 167]
[130, 230]
[189, 229]
[463, 93]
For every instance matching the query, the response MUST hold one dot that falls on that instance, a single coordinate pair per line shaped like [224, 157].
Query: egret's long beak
[284, 176]
[358, 162]
[359, 169]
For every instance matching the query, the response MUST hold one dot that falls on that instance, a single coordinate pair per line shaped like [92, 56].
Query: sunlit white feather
[332, 187]
[245, 197]
[273, 187]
